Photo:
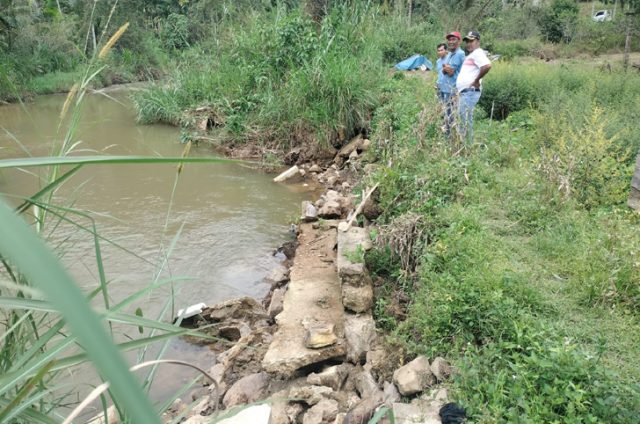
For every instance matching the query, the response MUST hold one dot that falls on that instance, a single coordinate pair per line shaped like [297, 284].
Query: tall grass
[46, 318]
[280, 79]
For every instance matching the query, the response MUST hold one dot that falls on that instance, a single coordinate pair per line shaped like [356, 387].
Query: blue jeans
[447, 105]
[468, 102]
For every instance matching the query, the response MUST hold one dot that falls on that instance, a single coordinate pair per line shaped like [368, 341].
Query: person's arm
[448, 69]
[454, 64]
[483, 71]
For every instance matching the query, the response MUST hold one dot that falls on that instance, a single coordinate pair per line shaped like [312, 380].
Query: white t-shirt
[471, 68]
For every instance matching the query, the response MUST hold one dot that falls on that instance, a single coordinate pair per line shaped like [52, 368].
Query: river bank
[311, 352]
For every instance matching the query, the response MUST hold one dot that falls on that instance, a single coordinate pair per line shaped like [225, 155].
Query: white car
[601, 16]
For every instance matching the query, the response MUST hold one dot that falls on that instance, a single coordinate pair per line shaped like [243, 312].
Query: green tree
[558, 21]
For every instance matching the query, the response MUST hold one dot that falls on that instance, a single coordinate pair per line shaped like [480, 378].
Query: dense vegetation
[524, 264]
[515, 258]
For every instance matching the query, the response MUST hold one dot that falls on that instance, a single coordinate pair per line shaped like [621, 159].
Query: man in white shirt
[469, 83]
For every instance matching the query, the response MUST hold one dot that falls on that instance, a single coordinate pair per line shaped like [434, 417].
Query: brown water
[231, 217]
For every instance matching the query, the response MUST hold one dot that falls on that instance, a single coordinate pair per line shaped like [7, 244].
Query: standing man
[441, 52]
[451, 65]
[469, 83]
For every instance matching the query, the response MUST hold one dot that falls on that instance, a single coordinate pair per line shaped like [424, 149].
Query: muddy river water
[225, 219]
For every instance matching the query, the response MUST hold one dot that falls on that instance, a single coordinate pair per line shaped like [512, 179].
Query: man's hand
[483, 72]
[447, 69]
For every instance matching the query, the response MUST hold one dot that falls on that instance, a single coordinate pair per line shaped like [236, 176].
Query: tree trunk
[627, 43]
[93, 37]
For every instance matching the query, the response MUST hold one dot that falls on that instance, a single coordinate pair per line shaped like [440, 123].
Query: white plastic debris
[191, 311]
[291, 172]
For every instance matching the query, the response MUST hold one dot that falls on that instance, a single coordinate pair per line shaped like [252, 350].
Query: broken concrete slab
[313, 293]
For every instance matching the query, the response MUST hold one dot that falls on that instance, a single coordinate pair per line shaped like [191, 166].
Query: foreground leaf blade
[21, 246]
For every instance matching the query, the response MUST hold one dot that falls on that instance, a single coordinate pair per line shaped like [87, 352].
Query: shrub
[510, 49]
[539, 378]
[510, 88]
[586, 163]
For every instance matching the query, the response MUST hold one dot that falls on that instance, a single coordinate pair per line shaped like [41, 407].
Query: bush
[586, 164]
[510, 88]
[510, 49]
[538, 378]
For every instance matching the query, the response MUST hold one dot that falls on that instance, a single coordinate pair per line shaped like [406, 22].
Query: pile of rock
[311, 353]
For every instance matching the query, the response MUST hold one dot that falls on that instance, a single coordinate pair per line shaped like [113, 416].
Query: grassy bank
[280, 79]
[524, 269]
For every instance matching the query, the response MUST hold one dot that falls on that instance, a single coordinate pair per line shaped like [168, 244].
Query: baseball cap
[454, 34]
[472, 35]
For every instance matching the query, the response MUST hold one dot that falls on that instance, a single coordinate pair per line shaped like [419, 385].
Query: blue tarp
[414, 62]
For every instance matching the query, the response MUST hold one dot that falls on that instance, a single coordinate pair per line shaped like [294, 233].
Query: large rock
[351, 247]
[245, 308]
[358, 299]
[320, 334]
[391, 393]
[330, 209]
[414, 377]
[441, 369]
[277, 302]
[364, 410]
[360, 334]
[333, 376]
[404, 413]
[346, 203]
[378, 362]
[424, 410]
[309, 212]
[278, 276]
[351, 146]
[365, 384]
[310, 394]
[246, 390]
[324, 411]
[284, 412]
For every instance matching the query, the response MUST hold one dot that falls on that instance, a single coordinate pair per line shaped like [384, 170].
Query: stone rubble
[312, 353]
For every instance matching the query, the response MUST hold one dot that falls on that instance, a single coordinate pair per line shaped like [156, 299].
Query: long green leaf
[20, 245]
[34, 416]
[85, 160]
[113, 316]
[23, 207]
[24, 391]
